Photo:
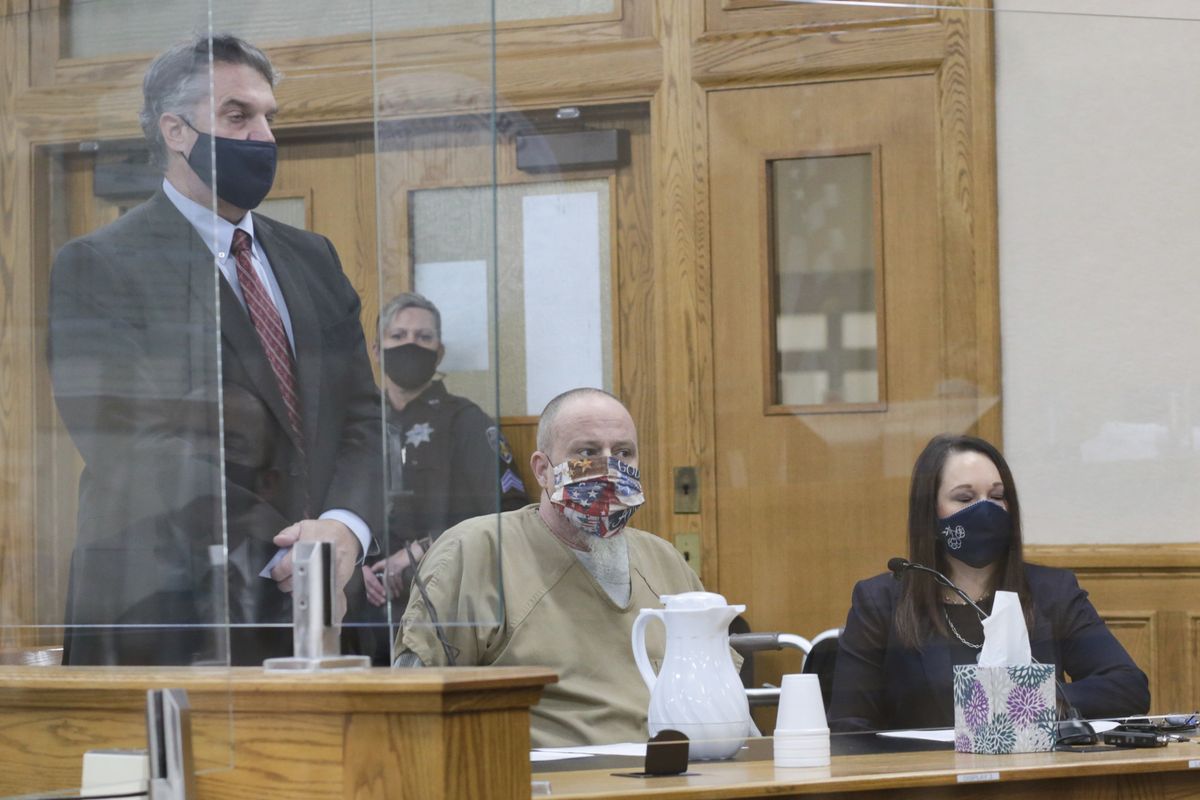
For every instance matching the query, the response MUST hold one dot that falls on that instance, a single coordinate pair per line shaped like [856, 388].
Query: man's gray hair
[408, 300]
[545, 430]
[178, 79]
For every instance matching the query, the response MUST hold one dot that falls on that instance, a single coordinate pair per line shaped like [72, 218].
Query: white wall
[1098, 155]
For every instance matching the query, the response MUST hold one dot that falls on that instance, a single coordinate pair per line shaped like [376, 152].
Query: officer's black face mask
[409, 366]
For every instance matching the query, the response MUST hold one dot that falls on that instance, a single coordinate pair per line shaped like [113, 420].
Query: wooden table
[423, 734]
[1168, 772]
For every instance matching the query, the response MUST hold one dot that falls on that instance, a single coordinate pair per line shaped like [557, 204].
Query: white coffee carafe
[697, 692]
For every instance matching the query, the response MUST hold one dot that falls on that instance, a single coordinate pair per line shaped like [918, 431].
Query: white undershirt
[608, 562]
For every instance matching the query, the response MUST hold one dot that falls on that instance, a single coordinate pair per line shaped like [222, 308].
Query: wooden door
[330, 180]
[813, 497]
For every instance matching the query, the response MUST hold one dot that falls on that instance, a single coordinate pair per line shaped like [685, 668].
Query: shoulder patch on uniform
[499, 444]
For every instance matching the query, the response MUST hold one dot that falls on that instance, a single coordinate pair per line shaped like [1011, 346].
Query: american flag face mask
[597, 495]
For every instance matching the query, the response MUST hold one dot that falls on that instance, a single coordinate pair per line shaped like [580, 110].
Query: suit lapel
[185, 260]
[165, 228]
[306, 329]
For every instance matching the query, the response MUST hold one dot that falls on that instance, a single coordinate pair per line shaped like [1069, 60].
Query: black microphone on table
[1072, 730]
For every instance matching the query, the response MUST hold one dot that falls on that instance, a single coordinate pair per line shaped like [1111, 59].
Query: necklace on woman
[956, 600]
[954, 630]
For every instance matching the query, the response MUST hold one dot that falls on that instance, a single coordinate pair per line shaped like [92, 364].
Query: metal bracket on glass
[316, 635]
[169, 738]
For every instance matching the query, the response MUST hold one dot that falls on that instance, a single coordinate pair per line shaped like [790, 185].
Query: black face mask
[409, 366]
[245, 169]
[977, 535]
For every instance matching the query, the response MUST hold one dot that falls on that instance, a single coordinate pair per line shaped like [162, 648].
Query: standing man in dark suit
[156, 316]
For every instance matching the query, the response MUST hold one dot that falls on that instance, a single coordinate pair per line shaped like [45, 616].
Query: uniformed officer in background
[447, 459]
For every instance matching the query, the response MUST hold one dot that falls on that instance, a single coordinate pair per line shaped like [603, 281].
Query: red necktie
[269, 326]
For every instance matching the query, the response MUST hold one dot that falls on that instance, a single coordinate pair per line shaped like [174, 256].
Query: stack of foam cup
[801, 732]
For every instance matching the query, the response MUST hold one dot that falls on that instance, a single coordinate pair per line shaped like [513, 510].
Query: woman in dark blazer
[902, 637]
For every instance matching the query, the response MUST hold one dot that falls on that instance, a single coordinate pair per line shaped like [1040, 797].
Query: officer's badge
[499, 444]
[418, 433]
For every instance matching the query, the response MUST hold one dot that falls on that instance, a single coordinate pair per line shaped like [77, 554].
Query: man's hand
[385, 578]
[346, 548]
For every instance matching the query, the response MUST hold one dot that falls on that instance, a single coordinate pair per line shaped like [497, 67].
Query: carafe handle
[639, 644]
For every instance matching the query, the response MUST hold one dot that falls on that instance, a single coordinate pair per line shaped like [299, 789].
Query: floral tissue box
[1004, 709]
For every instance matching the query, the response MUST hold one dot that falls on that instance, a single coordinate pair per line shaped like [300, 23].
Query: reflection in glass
[824, 255]
[553, 288]
[288, 210]
[114, 27]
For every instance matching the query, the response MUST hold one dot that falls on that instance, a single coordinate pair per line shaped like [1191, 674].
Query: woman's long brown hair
[919, 611]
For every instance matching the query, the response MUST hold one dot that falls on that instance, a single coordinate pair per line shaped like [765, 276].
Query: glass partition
[1015, 200]
[126, 529]
[787, 268]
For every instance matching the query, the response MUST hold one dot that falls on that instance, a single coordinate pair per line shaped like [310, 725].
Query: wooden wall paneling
[366, 251]
[1102, 559]
[1171, 685]
[638, 293]
[331, 83]
[45, 41]
[1137, 633]
[1164, 581]
[11, 7]
[16, 338]
[352, 52]
[681, 242]
[1191, 673]
[776, 57]
[758, 15]
[328, 81]
[409, 757]
[57, 462]
[336, 173]
[1158, 638]
[50, 558]
[534, 79]
[969, 245]
[358, 51]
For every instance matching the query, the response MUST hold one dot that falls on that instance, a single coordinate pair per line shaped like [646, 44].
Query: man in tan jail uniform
[556, 584]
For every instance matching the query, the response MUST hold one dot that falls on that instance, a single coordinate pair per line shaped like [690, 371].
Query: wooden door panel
[335, 176]
[809, 503]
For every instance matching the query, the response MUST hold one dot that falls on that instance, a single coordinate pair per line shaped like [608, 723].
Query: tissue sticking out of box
[1005, 637]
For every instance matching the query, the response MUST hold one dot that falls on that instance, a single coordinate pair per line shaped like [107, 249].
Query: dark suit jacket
[880, 684]
[134, 345]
